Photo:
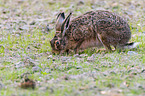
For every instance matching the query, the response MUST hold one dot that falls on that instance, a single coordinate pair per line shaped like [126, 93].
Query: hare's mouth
[55, 51]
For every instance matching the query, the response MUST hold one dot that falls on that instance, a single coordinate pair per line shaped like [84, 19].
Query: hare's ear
[59, 22]
[65, 24]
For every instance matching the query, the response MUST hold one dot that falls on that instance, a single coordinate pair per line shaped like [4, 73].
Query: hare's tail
[131, 45]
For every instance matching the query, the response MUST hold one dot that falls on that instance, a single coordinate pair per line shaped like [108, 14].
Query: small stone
[49, 57]
[143, 32]
[91, 59]
[29, 62]
[112, 72]
[51, 90]
[43, 88]
[1, 85]
[81, 2]
[47, 70]
[143, 71]
[47, 77]
[83, 55]
[66, 77]
[37, 45]
[51, 2]
[77, 55]
[105, 73]
[139, 85]
[1, 46]
[132, 53]
[47, 28]
[20, 1]
[36, 69]
[114, 4]
[87, 63]
[25, 27]
[97, 69]
[64, 62]
[5, 11]
[132, 7]
[25, 75]
[110, 85]
[63, 58]
[32, 23]
[19, 64]
[129, 13]
[79, 67]
[134, 73]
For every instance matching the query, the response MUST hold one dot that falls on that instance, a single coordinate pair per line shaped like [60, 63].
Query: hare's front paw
[66, 52]
[104, 51]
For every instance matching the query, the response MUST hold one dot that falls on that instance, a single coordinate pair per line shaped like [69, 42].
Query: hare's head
[62, 24]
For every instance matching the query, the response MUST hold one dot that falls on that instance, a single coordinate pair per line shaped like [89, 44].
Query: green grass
[118, 73]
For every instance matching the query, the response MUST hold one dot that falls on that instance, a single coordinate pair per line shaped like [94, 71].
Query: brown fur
[92, 29]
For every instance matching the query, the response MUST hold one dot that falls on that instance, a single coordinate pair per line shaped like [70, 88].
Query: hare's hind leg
[105, 44]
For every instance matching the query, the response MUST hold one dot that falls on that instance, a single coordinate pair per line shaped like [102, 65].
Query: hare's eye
[57, 42]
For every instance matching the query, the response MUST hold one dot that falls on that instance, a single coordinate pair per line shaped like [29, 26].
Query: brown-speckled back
[95, 29]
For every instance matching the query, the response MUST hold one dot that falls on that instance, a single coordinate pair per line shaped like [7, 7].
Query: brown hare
[92, 29]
